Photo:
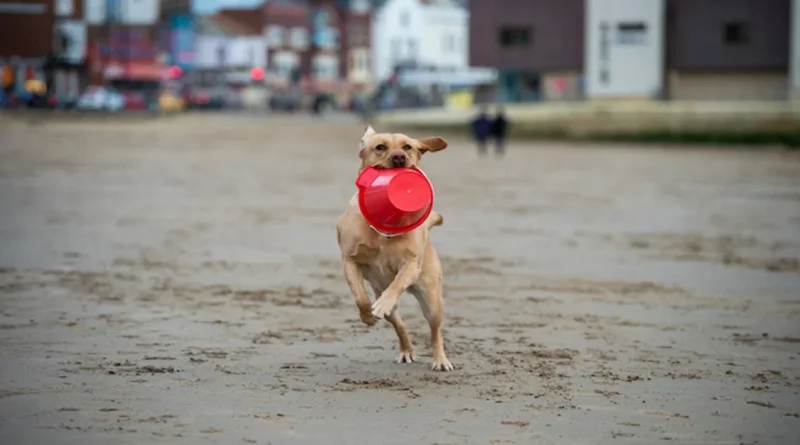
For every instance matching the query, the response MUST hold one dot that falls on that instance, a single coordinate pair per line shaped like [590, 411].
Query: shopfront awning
[134, 70]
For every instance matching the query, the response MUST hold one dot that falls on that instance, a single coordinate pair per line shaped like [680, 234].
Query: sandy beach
[177, 281]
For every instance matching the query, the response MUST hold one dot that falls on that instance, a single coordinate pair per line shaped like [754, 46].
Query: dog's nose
[399, 159]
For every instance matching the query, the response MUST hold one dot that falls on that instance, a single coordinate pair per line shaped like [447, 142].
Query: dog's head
[385, 150]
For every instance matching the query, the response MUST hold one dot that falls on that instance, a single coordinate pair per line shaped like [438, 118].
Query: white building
[228, 55]
[432, 33]
[224, 49]
[624, 54]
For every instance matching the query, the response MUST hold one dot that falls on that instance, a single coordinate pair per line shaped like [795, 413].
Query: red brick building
[43, 39]
[357, 50]
[337, 57]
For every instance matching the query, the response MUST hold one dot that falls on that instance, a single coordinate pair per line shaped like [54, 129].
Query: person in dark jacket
[499, 129]
[481, 130]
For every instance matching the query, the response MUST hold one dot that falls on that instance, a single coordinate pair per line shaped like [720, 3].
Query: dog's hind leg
[428, 291]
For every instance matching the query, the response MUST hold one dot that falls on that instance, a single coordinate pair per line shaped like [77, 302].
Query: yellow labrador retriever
[391, 266]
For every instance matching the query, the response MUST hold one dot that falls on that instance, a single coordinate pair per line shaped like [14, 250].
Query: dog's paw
[442, 364]
[405, 357]
[383, 307]
[367, 318]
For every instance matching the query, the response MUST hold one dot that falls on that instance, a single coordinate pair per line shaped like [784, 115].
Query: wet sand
[177, 281]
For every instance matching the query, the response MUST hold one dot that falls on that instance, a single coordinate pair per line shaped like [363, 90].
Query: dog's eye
[380, 147]
[406, 147]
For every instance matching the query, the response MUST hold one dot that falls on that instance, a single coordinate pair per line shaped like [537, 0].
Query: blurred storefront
[25, 43]
[16, 71]
[127, 59]
[43, 40]
[182, 41]
[177, 49]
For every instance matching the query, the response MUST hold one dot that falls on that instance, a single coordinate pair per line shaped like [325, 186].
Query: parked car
[101, 98]
[207, 100]
[134, 100]
[36, 94]
[62, 101]
[169, 101]
[286, 100]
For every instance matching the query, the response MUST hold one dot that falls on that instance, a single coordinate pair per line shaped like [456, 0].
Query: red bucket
[394, 201]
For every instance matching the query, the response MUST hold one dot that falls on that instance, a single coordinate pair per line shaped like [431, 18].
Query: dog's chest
[376, 263]
[379, 276]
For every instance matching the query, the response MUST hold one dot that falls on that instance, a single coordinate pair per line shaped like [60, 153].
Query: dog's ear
[367, 133]
[432, 144]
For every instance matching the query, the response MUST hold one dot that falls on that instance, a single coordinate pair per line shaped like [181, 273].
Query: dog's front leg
[406, 276]
[355, 279]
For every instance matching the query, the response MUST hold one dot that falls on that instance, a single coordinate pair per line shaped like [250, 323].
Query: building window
[412, 49]
[631, 33]
[221, 55]
[405, 19]
[357, 36]
[64, 8]
[299, 38]
[515, 36]
[283, 68]
[284, 63]
[328, 39]
[449, 43]
[396, 49]
[359, 62]
[735, 33]
[326, 68]
[604, 52]
[275, 35]
[359, 6]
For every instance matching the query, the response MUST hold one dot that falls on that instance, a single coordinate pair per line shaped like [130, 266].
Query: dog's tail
[434, 219]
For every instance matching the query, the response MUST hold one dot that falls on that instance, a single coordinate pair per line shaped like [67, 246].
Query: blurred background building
[44, 40]
[420, 34]
[385, 54]
[650, 49]
[537, 46]
[739, 51]
[231, 53]
[124, 43]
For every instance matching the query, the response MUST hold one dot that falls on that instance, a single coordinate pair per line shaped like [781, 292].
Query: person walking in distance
[481, 130]
[499, 128]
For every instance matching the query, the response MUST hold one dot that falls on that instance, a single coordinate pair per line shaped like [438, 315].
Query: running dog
[393, 265]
